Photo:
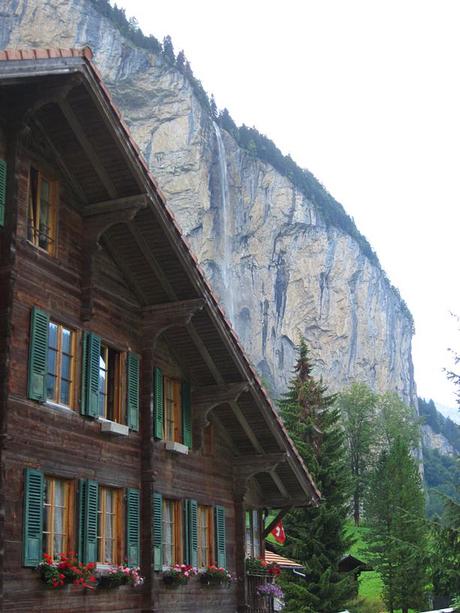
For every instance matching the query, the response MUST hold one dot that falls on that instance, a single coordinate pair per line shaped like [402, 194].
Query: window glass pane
[44, 214]
[168, 532]
[66, 341]
[52, 335]
[103, 366]
[65, 366]
[65, 392]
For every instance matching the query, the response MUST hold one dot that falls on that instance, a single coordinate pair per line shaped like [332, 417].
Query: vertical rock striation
[280, 270]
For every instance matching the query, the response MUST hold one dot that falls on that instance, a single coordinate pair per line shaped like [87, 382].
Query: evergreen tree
[168, 50]
[180, 61]
[357, 409]
[316, 535]
[397, 532]
[213, 106]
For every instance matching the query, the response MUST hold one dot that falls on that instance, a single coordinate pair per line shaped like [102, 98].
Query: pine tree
[316, 535]
[397, 529]
[168, 50]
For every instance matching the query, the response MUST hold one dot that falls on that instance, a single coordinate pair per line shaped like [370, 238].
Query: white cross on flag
[278, 533]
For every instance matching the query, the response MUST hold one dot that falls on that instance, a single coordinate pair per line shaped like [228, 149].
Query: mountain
[282, 254]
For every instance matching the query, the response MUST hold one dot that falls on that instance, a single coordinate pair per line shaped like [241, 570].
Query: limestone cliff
[280, 269]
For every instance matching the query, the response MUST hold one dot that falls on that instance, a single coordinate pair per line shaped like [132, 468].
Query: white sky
[366, 95]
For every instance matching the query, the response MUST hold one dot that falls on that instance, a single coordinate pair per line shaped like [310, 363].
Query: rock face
[435, 440]
[280, 270]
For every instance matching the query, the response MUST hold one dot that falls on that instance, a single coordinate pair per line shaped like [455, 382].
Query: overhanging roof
[60, 93]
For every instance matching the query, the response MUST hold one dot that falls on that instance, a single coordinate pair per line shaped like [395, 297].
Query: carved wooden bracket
[247, 466]
[97, 218]
[158, 318]
[204, 399]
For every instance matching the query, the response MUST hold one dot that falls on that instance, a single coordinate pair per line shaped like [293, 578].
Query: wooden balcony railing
[259, 604]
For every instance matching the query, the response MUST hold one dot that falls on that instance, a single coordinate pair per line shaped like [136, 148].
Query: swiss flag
[278, 533]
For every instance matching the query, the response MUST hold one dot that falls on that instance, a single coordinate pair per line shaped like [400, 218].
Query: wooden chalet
[132, 424]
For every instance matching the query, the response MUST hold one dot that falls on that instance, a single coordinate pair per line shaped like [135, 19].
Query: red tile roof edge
[44, 54]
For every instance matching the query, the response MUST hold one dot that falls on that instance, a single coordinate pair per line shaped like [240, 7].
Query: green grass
[370, 585]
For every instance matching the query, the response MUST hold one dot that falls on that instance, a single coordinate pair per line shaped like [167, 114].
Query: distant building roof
[271, 558]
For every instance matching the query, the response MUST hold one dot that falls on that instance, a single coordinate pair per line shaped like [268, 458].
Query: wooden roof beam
[250, 465]
[87, 147]
[146, 251]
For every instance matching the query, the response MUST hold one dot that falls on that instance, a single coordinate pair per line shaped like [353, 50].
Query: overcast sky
[366, 95]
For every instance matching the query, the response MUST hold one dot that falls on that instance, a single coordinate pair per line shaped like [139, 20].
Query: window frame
[58, 365]
[205, 560]
[116, 413]
[177, 532]
[172, 409]
[117, 528]
[33, 225]
[69, 517]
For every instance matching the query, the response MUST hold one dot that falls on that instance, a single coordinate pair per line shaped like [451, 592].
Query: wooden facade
[119, 373]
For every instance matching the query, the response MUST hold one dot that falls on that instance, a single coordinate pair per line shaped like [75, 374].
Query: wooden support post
[148, 473]
[240, 548]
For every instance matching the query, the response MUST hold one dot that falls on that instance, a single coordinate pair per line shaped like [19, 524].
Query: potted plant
[66, 569]
[178, 574]
[255, 566]
[214, 576]
[120, 575]
[270, 590]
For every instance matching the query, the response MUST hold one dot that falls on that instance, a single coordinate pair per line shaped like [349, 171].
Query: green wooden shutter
[38, 355]
[133, 519]
[91, 351]
[157, 530]
[157, 403]
[132, 368]
[191, 532]
[219, 519]
[186, 415]
[34, 488]
[2, 191]
[87, 533]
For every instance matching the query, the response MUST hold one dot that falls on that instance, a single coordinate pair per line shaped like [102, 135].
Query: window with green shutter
[33, 517]
[91, 348]
[133, 363]
[38, 355]
[191, 532]
[133, 510]
[88, 520]
[2, 191]
[157, 530]
[158, 403]
[219, 518]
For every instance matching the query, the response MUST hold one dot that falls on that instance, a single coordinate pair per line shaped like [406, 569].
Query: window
[58, 512]
[172, 547]
[172, 410]
[41, 228]
[60, 375]
[252, 534]
[173, 419]
[110, 404]
[205, 536]
[109, 532]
